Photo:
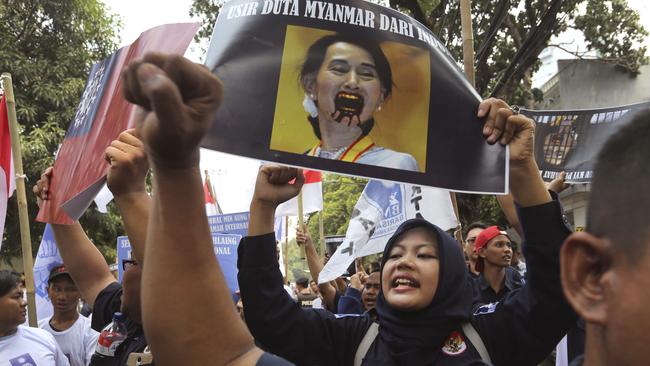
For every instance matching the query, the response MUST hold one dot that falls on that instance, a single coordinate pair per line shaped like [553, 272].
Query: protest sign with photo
[102, 114]
[353, 88]
[570, 140]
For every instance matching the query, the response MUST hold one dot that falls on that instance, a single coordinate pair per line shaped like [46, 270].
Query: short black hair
[474, 225]
[302, 281]
[316, 55]
[619, 194]
[9, 280]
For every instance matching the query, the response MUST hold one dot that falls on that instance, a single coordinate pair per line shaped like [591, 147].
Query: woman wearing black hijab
[425, 310]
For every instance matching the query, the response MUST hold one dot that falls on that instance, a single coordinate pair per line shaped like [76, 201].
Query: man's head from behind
[606, 269]
[63, 292]
[302, 283]
[131, 280]
[13, 308]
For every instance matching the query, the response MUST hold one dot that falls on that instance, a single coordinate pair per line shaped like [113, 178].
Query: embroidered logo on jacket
[454, 345]
[486, 309]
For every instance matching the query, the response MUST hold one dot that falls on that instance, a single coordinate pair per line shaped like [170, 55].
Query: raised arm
[126, 180]
[536, 316]
[177, 100]
[303, 336]
[82, 259]
[315, 266]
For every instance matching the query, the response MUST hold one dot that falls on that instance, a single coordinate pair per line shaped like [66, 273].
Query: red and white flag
[211, 205]
[312, 196]
[7, 181]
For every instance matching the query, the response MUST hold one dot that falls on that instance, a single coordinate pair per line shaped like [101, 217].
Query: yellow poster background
[402, 123]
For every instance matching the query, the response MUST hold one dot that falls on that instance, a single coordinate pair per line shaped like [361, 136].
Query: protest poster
[103, 113]
[569, 140]
[227, 231]
[349, 87]
[381, 208]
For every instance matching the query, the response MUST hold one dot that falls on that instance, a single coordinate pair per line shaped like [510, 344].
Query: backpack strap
[468, 329]
[365, 344]
[476, 340]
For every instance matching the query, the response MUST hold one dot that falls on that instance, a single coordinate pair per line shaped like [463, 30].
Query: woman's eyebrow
[339, 61]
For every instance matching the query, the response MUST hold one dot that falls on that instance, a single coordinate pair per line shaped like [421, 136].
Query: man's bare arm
[315, 267]
[82, 259]
[126, 180]
[183, 289]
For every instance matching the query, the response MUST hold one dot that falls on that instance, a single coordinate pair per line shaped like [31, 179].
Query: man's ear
[585, 261]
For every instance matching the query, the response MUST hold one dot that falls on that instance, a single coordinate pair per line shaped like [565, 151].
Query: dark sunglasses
[128, 263]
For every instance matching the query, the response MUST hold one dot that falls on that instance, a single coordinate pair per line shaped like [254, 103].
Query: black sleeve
[268, 359]
[107, 302]
[350, 303]
[302, 336]
[525, 327]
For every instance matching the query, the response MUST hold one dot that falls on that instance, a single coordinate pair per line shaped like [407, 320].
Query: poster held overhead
[569, 140]
[354, 88]
[102, 114]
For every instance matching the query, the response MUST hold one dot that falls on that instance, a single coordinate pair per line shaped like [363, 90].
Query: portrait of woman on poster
[346, 80]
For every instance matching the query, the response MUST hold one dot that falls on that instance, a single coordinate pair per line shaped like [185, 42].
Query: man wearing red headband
[496, 277]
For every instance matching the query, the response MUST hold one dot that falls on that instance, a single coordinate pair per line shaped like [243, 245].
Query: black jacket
[520, 330]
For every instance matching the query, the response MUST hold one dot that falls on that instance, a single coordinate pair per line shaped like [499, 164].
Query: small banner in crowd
[381, 208]
[47, 258]
[570, 140]
[349, 87]
[227, 230]
[102, 114]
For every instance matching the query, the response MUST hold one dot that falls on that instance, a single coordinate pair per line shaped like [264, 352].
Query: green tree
[48, 46]
[509, 36]
[340, 194]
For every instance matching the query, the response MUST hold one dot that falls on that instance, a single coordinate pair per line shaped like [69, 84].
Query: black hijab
[418, 336]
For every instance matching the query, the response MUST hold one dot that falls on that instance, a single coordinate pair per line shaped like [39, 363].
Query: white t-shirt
[318, 303]
[77, 342]
[31, 347]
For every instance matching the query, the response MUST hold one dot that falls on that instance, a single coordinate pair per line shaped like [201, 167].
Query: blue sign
[123, 252]
[227, 231]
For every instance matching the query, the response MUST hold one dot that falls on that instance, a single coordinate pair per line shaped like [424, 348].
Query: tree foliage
[48, 46]
[503, 27]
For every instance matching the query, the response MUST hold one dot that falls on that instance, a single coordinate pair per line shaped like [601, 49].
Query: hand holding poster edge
[257, 41]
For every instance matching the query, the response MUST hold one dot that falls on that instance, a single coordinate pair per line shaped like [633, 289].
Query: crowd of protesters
[428, 301]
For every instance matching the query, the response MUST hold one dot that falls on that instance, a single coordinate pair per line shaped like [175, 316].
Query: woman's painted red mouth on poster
[348, 105]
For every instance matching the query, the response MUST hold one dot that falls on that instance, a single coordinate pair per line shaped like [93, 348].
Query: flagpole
[301, 223]
[321, 233]
[25, 237]
[468, 39]
[468, 64]
[286, 249]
